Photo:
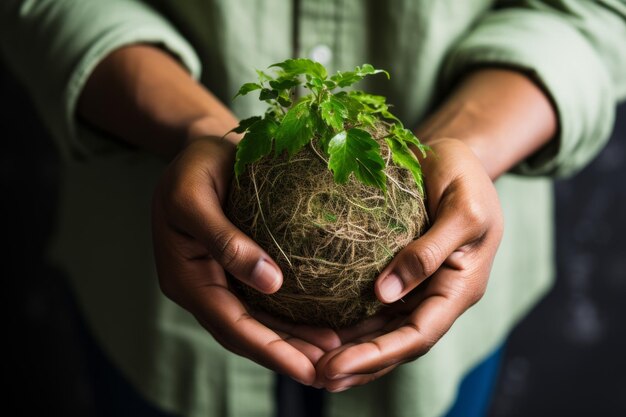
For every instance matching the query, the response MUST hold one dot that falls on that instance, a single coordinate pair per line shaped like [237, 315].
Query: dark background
[565, 359]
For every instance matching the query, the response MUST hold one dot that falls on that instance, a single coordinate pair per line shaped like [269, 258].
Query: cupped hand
[432, 281]
[195, 246]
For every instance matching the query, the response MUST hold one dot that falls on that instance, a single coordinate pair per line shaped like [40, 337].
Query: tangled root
[331, 241]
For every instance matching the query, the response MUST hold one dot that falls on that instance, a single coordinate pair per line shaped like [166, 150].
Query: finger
[194, 210]
[423, 328]
[345, 383]
[228, 321]
[364, 328]
[312, 352]
[341, 382]
[325, 339]
[422, 257]
[200, 286]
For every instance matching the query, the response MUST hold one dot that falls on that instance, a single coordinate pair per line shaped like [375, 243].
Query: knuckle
[182, 198]
[228, 248]
[476, 294]
[475, 215]
[425, 258]
[426, 341]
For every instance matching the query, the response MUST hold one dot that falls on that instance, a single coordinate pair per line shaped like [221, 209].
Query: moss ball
[331, 241]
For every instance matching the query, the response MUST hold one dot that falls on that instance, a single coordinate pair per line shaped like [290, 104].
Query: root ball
[331, 241]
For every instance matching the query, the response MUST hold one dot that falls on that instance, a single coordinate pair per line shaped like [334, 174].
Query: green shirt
[575, 49]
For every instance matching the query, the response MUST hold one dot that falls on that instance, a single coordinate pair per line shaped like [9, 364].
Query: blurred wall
[565, 359]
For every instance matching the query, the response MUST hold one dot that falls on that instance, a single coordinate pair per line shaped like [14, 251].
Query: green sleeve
[575, 50]
[53, 45]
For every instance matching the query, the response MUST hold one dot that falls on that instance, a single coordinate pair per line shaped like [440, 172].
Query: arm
[494, 119]
[147, 98]
[143, 96]
[567, 63]
[501, 115]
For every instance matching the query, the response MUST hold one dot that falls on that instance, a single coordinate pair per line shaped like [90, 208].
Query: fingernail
[301, 382]
[265, 277]
[391, 287]
[340, 389]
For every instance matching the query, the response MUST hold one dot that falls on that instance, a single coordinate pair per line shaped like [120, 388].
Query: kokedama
[329, 186]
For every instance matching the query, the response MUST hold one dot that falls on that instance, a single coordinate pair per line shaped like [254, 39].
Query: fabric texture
[573, 49]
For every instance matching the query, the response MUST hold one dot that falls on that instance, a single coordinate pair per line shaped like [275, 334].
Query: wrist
[502, 115]
[210, 126]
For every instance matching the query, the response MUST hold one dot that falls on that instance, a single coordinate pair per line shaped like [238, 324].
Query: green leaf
[372, 101]
[345, 79]
[406, 136]
[373, 104]
[245, 124]
[317, 83]
[256, 144]
[301, 66]
[246, 88]
[405, 158]
[353, 106]
[296, 129]
[366, 119]
[355, 151]
[284, 101]
[267, 94]
[333, 112]
[263, 76]
[284, 83]
[368, 69]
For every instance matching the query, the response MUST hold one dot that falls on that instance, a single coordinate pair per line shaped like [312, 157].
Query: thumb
[241, 256]
[423, 257]
[199, 216]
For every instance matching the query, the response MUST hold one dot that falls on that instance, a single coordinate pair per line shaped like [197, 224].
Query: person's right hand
[195, 247]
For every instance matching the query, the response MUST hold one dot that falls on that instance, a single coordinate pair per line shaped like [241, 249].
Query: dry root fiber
[331, 241]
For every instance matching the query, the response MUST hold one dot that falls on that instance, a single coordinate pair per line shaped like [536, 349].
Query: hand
[195, 245]
[438, 276]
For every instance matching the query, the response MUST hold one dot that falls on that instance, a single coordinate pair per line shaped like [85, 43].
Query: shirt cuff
[563, 63]
[82, 139]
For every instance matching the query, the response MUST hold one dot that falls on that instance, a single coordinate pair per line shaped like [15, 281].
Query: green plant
[338, 122]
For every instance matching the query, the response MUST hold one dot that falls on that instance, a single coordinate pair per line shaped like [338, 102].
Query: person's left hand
[436, 278]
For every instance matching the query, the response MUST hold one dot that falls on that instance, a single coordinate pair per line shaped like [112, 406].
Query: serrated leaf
[345, 79]
[402, 156]
[406, 136]
[256, 144]
[353, 106]
[317, 83]
[333, 112]
[245, 124]
[301, 66]
[246, 88]
[372, 101]
[267, 94]
[366, 119]
[368, 69]
[263, 76]
[284, 101]
[355, 151]
[388, 115]
[284, 83]
[296, 129]
[324, 134]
